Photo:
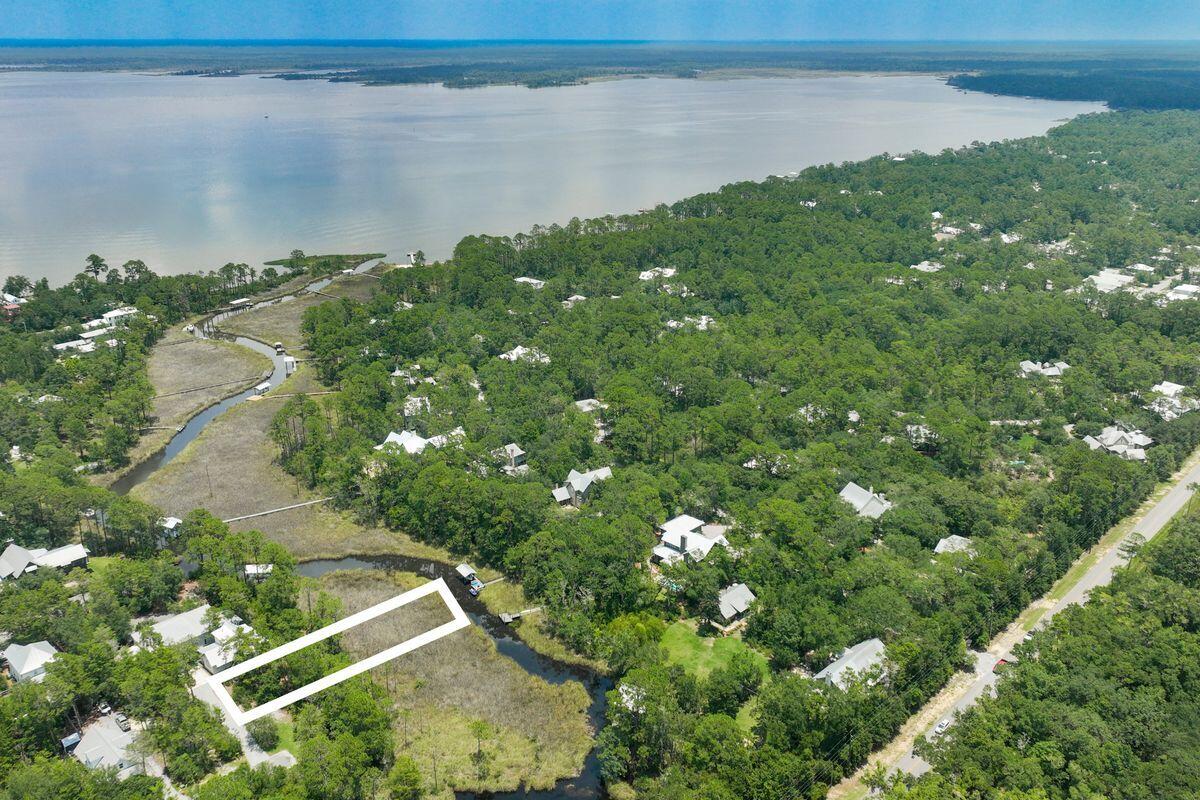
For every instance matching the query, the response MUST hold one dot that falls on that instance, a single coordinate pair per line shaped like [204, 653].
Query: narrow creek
[588, 784]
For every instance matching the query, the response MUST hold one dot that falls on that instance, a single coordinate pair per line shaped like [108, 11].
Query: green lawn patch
[287, 738]
[700, 655]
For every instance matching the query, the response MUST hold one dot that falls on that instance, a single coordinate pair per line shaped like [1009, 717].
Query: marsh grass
[534, 732]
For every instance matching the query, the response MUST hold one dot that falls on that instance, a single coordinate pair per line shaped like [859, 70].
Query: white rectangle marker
[217, 682]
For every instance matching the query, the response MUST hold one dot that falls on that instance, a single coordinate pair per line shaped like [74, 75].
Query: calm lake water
[189, 173]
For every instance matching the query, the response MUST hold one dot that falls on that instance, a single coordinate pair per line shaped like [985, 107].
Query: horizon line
[364, 41]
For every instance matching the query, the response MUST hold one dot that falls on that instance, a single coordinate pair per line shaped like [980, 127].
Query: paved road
[1099, 574]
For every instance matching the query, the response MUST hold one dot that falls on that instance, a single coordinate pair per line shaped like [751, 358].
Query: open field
[700, 655]
[281, 322]
[536, 732]
[180, 362]
[230, 470]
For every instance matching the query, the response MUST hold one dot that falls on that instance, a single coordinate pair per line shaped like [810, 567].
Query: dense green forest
[810, 354]
[1123, 87]
[1101, 704]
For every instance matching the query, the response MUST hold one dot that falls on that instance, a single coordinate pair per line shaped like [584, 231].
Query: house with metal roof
[955, 544]
[866, 502]
[1128, 444]
[578, 486]
[27, 662]
[15, 561]
[687, 537]
[734, 601]
[104, 745]
[856, 661]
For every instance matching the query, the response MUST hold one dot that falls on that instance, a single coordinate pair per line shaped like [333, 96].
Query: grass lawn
[702, 654]
[287, 738]
[100, 564]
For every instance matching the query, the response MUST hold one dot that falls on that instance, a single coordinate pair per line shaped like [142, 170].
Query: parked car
[104, 708]
[123, 722]
[475, 586]
[941, 727]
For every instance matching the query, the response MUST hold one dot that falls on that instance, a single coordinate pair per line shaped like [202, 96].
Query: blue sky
[602, 19]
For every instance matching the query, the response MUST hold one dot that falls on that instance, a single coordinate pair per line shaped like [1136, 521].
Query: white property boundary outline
[217, 682]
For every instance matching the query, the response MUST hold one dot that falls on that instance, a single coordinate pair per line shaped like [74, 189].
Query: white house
[533, 282]
[15, 561]
[1109, 280]
[572, 300]
[27, 662]
[686, 536]
[416, 404]
[1170, 403]
[928, 266]
[523, 353]
[220, 653]
[578, 486]
[590, 405]
[258, 572]
[656, 273]
[187, 627]
[955, 544]
[866, 502]
[854, 661]
[413, 443]
[1184, 291]
[1046, 370]
[1129, 445]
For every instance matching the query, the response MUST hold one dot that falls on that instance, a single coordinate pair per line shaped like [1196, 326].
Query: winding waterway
[585, 786]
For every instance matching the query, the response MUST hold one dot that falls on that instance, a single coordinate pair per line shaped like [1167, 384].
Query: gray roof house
[513, 457]
[734, 601]
[856, 660]
[1128, 444]
[865, 501]
[105, 746]
[578, 486]
[189, 626]
[15, 561]
[955, 544]
[27, 662]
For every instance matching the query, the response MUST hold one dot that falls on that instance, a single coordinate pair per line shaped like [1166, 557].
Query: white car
[941, 727]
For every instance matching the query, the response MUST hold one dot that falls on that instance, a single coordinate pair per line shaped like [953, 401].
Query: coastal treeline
[754, 350]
